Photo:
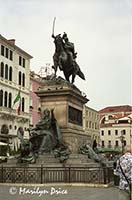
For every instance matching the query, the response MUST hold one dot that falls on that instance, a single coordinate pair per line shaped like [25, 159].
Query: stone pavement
[49, 192]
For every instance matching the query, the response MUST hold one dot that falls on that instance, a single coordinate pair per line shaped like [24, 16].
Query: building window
[1, 97]
[124, 141]
[103, 143]
[2, 50]
[31, 107]
[87, 124]
[95, 125]
[15, 127]
[7, 53]
[10, 100]
[2, 70]
[123, 132]
[23, 104]
[116, 143]
[20, 60]
[4, 129]
[109, 132]
[116, 132]
[23, 80]
[6, 71]
[19, 78]
[90, 123]
[5, 99]
[10, 74]
[23, 63]
[39, 109]
[102, 132]
[10, 126]
[11, 55]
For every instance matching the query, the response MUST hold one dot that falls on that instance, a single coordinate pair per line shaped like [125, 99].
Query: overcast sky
[100, 29]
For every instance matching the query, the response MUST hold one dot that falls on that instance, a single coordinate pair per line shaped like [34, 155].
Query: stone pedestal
[67, 102]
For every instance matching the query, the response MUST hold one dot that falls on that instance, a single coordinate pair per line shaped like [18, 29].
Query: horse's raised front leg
[55, 69]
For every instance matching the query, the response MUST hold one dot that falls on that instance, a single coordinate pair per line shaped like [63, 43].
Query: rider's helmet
[64, 36]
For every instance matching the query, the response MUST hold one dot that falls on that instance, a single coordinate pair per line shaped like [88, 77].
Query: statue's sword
[53, 26]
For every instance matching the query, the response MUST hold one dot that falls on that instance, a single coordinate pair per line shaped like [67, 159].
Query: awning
[109, 150]
[3, 144]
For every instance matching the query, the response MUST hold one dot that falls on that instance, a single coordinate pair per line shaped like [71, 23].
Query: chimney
[12, 41]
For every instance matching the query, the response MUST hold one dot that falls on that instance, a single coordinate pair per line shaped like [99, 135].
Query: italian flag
[18, 99]
[19, 107]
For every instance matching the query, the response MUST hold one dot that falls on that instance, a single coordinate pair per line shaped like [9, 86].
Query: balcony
[11, 114]
[7, 110]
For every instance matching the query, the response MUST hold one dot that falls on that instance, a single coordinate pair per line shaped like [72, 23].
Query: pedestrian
[124, 166]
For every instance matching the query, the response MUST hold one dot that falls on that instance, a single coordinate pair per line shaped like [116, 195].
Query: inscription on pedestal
[74, 116]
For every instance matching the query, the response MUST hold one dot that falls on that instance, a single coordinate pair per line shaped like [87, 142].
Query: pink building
[35, 109]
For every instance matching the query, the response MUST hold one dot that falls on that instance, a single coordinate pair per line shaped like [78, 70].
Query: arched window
[4, 129]
[2, 70]
[10, 100]
[23, 80]
[6, 71]
[23, 104]
[19, 78]
[10, 74]
[1, 97]
[5, 99]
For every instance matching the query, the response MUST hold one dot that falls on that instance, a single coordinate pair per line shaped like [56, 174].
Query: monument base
[68, 102]
[48, 160]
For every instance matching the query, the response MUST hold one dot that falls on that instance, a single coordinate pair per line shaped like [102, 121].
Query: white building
[116, 126]
[14, 77]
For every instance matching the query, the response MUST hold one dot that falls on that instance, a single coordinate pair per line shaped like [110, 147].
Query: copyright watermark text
[37, 191]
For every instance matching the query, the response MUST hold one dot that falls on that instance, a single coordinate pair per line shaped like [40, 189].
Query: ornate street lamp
[122, 140]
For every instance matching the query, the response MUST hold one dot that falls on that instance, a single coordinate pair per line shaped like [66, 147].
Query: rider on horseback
[69, 48]
[64, 57]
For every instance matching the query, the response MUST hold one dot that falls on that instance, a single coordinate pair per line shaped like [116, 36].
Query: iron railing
[96, 175]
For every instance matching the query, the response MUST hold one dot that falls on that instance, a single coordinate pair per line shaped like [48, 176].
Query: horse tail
[80, 74]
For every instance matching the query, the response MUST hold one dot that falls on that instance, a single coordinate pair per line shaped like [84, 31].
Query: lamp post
[122, 141]
[130, 122]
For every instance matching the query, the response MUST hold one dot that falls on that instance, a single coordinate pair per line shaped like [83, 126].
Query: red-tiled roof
[106, 125]
[110, 109]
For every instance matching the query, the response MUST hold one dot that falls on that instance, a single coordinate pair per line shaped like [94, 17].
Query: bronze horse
[61, 60]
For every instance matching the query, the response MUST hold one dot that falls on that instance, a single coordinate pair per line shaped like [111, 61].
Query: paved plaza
[57, 192]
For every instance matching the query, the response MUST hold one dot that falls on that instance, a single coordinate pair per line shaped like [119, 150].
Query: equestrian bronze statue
[65, 58]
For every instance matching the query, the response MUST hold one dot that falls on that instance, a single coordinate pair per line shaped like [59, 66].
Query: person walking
[124, 166]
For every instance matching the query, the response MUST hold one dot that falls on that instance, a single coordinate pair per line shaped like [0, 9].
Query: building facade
[115, 126]
[91, 124]
[34, 101]
[14, 81]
